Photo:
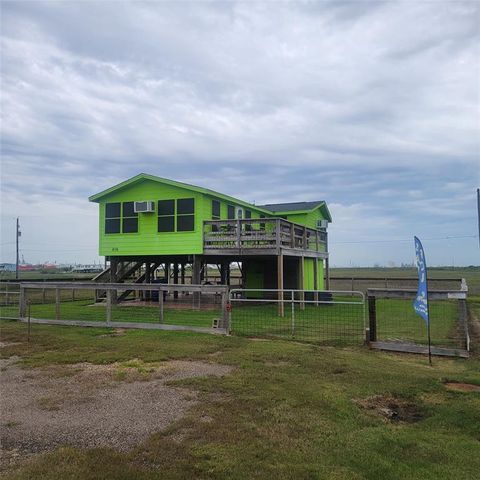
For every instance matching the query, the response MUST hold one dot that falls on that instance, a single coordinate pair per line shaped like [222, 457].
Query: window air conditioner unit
[322, 224]
[144, 207]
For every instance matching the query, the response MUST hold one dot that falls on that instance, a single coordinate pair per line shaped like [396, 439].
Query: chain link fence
[321, 317]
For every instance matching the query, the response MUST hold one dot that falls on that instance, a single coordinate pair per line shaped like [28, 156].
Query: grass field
[287, 411]
[471, 274]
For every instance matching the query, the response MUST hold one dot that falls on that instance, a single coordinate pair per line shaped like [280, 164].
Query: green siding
[309, 219]
[308, 274]
[148, 241]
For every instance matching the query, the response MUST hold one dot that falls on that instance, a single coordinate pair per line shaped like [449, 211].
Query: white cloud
[357, 103]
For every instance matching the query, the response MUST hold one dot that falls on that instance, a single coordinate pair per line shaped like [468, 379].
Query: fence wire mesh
[396, 321]
[330, 318]
[192, 305]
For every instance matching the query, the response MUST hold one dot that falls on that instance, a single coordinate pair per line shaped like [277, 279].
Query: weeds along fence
[163, 306]
[322, 317]
[393, 323]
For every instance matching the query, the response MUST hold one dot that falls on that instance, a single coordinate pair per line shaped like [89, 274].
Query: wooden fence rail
[112, 290]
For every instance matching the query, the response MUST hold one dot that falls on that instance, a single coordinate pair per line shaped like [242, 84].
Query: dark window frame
[128, 216]
[248, 215]
[183, 216]
[183, 206]
[169, 220]
[215, 215]
[113, 218]
[166, 217]
[171, 202]
[262, 225]
[186, 223]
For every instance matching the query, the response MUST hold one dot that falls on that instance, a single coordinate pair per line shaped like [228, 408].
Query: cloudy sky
[371, 106]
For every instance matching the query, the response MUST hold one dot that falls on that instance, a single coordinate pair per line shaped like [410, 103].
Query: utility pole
[478, 213]
[18, 235]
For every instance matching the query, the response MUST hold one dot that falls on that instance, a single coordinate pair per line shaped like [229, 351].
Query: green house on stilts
[148, 221]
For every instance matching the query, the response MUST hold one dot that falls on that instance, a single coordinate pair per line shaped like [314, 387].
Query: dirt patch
[278, 363]
[117, 332]
[91, 405]
[462, 387]
[8, 344]
[391, 408]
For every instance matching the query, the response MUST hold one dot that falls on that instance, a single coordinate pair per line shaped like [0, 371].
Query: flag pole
[428, 324]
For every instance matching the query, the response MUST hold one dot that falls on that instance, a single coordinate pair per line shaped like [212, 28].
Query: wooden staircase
[128, 272]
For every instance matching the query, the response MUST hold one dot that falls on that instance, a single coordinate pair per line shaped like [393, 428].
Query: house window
[129, 218]
[215, 210]
[215, 214]
[181, 210]
[262, 225]
[248, 214]
[185, 215]
[166, 215]
[231, 212]
[112, 217]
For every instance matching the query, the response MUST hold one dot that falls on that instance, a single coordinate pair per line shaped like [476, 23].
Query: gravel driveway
[117, 405]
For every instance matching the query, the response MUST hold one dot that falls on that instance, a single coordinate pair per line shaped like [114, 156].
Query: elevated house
[148, 221]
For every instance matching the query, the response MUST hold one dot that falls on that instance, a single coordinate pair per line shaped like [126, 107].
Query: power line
[403, 240]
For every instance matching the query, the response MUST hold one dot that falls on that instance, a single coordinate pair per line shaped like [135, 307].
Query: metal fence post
[293, 314]
[29, 324]
[22, 302]
[57, 303]
[224, 323]
[463, 323]
[372, 319]
[109, 305]
[160, 305]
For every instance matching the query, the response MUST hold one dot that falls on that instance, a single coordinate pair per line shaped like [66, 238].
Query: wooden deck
[266, 236]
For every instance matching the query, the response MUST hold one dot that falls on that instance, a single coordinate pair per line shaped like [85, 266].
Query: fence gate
[322, 317]
[394, 325]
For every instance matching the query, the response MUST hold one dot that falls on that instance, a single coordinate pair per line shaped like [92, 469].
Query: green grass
[87, 310]
[396, 320]
[326, 324]
[287, 411]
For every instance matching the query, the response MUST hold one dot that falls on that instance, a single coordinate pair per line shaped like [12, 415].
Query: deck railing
[261, 234]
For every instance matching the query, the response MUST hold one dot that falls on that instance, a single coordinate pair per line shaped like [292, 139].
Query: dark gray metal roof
[291, 206]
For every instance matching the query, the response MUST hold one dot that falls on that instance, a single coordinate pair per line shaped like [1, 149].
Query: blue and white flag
[420, 303]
